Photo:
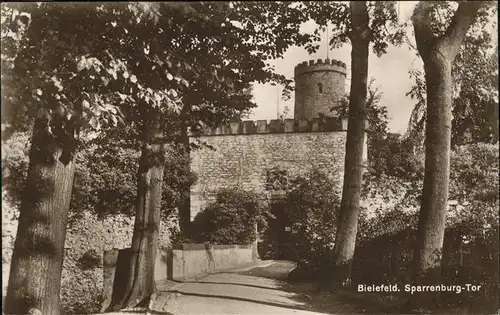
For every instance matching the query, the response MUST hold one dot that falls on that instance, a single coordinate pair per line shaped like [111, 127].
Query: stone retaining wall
[182, 262]
[190, 260]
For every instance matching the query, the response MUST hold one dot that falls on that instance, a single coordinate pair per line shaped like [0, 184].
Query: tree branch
[460, 24]
[423, 31]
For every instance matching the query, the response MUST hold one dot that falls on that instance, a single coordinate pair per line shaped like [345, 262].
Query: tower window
[320, 88]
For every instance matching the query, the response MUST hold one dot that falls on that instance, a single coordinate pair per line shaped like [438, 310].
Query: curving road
[259, 289]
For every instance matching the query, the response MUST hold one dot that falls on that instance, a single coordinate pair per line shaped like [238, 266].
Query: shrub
[384, 247]
[312, 203]
[384, 250]
[394, 155]
[230, 219]
[475, 187]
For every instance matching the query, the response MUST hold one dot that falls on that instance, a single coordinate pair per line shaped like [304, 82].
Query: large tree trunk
[438, 54]
[432, 216]
[348, 220]
[139, 284]
[35, 274]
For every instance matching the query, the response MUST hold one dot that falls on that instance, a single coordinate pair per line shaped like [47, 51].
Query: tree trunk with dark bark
[139, 284]
[438, 54]
[348, 218]
[35, 274]
[432, 216]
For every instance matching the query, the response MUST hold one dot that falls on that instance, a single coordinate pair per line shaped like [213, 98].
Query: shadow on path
[139, 311]
[234, 298]
[236, 284]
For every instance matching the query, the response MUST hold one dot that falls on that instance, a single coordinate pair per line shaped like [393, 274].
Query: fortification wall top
[320, 65]
[324, 124]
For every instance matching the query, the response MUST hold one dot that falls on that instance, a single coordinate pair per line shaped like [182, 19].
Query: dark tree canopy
[147, 53]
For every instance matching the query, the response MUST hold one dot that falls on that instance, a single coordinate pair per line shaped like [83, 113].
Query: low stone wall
[183, 262]
[190, 260]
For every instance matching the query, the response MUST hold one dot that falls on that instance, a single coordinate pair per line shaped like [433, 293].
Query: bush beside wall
[230, 219]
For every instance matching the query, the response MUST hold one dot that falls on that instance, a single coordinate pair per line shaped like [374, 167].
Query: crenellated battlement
[327, 61]
[324, 124]
[320, 65]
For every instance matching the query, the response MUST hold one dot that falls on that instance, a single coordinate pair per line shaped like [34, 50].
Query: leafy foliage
[312, 203]
[384, 26]
[396, 156]
[475, 80]
[87, 303]
[95, 65]
[51, 68]
[105, 176]
[386, 238]
[475, 186]
[388, 153]
[377, 131]
[476, 105]
[148, 55]
[230, 219]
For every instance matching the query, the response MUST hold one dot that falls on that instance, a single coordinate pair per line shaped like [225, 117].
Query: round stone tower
[319, 85]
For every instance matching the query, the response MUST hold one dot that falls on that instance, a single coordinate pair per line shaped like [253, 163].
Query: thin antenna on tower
[327, 44]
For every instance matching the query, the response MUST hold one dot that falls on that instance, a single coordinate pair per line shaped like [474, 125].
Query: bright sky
[390, 72]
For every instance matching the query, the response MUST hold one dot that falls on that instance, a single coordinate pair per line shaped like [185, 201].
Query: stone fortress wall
[246, 154]
[243, 156]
